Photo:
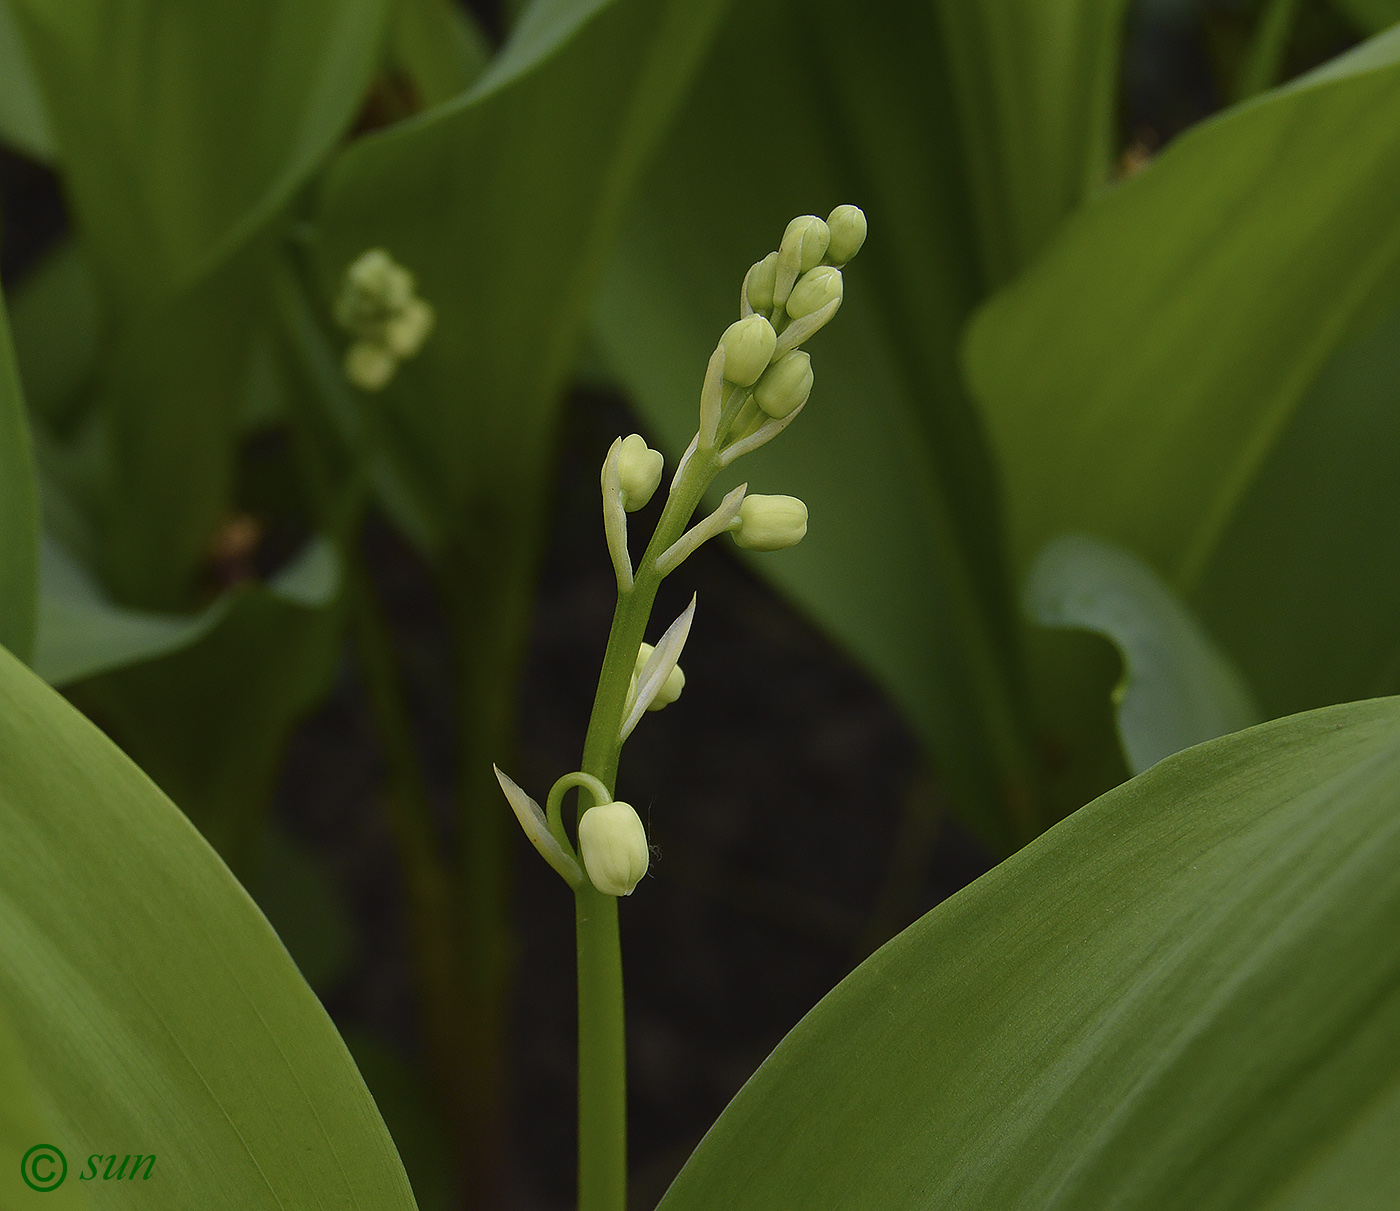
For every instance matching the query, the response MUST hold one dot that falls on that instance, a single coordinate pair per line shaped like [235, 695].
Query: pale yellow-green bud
[758, 286]
[811, 237]
[369, 366]
[785, 385]
[670, 688]
[614, 846]
[814, 290]
[375, 287]
[847, 225]
[406, 331]
[748, 345]
[770, 523]
[639, 468]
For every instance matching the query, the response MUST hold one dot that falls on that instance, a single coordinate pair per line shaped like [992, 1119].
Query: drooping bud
[405, 333]
[758, 285]
[369, 367]
[847, 226]
[748, 346]
[811, 237]
[770, 523]
[614, 847]
[639, 468]
[814, 290]
[374, 287]
[785, 385]
[670, 688]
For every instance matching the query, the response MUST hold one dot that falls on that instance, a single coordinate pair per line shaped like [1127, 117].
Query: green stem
[602, 1072]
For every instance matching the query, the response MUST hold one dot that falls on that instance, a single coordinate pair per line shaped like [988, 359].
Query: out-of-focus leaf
[303, 904]
[154, 1008]
[901, 562]
[209, 722]
[57, 323]
[82, 632]
[23, 123]
[1178, 688]
[183, 128]
[504, 203]
[1137, 377]
[1036, 87]
[1301, 586]
[439, 44]
[1370, 16]
[19, 510]
[1184, 996]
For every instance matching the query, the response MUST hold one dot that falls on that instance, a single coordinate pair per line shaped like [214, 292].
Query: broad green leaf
[1136, 378]
[439, 45]
[901, 562]
[1187, 995]
[1301, 587]
[82, 632]
[154, 1008]
[23, 123]
[19, 510]
[504, 203]
[1178, 688]
[209, 722]
[1036, 87]
[24, 1127]
[184, 128]
[1370, 16]
[58, 326]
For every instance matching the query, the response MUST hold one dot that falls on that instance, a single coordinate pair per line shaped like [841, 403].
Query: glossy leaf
[503, 203]
[1178, 688]
[23, 123]
[19, 510]
[901, 561]
[1137, 377]
[209, 722]
[152, 1006]
[1184, 996]
[185, 128]
[1036, 87]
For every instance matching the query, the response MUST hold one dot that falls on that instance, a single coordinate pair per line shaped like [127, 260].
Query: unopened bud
[785, 385]
[748, 346]
[614, 846]
[758, 285]
[670, 688]
[405, 333]
[375, 286]
[847, 225]
[369, 366]
[639, 468]
[811, 237]
[770, 523]
[814, 290]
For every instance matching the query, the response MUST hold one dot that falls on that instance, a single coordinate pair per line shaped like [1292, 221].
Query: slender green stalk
[602, 1076]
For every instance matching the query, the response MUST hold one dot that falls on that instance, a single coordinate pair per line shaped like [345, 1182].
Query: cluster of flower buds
[757, 382]
[379, 306]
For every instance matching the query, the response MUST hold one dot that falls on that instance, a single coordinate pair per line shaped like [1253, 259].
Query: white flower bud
[847, 225]
[614, 846]
[759, 283]
[369, 366]
[770, 523]
[670, 688]
[748, 346]
[811, 237]
[639, 468]
[814, 290]
[785, 385]
[406, 331]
